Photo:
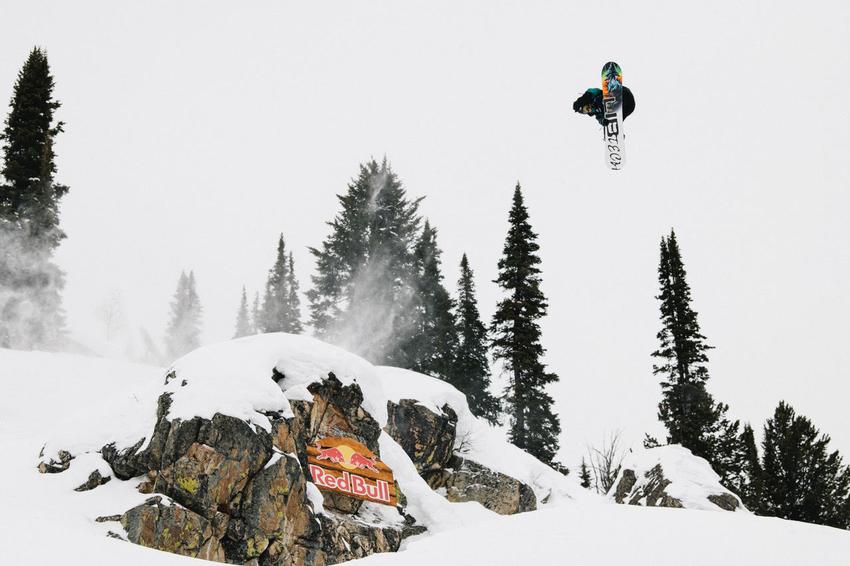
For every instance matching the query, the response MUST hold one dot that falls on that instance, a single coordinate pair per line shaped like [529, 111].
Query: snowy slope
[618, 535]
[75, 399]
[80, 403]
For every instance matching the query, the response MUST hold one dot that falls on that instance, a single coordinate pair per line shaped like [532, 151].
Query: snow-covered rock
[430, 438]
[227, 443]
[671, 476]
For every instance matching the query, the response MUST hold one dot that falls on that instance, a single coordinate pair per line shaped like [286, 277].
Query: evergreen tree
[279, 313]
[533, 427]
[801, 480]
[585, 475]
[471, 371]
[692, 417]
[431, 349]
[30, 197]
[243, 321]
[750, 475]
[256, 315]
[365, 279]
[31, 313]
[184, 327]
[294, 301]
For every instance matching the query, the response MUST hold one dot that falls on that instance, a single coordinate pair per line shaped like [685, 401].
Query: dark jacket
[590, 103]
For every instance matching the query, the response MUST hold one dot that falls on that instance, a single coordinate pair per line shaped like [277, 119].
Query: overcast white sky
[197, 131]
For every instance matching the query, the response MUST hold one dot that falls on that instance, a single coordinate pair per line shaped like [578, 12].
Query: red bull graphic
[343, 465]
[362, 462]
[332, 454]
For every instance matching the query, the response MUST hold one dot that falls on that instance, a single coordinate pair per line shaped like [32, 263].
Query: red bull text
[345, 466]
[351, 483]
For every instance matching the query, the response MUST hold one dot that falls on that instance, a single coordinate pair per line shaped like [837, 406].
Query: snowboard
[612, 100]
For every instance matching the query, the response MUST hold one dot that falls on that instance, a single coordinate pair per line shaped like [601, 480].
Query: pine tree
[243, 322]
[275, 315]
[801, 480]
[294, 325]
[365, 274]
[585, 475]
[184, 327]
[692, 417]
[750, 475]
[533, 427]
[256, 315]
[432, 348]
[471, 371]
[30, 197]
[31, 313]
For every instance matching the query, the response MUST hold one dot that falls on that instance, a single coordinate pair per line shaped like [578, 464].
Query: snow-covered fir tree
[279, 313]
[471, 370]
[184, 326]
[365, 278]
[31, 314]
[431, 349]
[688, 411]
[534, 427]
[243, 320]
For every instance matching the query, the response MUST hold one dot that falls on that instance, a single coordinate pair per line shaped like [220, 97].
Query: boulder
[94, 480]
[466, 480]
[651, 492]
[427, 437]
[273, 516]
[671, 476]
[206, 464]
[54, 466]
[173, 528]
[349, 540]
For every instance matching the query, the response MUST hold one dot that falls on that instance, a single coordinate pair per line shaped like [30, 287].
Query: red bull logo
[332, 454]
[346, 466]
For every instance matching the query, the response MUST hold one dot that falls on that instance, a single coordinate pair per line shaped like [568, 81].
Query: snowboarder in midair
[590, 103]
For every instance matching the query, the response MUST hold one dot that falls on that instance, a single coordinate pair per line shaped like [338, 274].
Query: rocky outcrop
[465, 480]
[725, 501]
[670, 476]
[349, 540]
[173, 528]
[238, 492]
[649, 493]
[94, 480]
[53, 466]
[429, 438]
[230, 491]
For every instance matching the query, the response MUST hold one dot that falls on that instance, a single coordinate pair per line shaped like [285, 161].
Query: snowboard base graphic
[612, 100]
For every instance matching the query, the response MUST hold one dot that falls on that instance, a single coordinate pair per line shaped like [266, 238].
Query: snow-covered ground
[618, 535]
[61, 401]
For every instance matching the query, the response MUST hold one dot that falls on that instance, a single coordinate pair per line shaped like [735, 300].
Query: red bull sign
[343, 465]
